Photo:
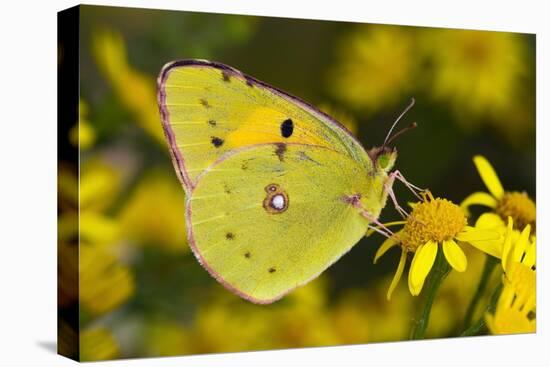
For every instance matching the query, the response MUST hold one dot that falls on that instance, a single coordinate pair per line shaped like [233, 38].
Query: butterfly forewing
[209, 109]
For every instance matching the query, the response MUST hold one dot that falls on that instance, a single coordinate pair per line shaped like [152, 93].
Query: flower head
[433, 222]
[517, 205]
[516, 306]
[479, 73]
[375, 63]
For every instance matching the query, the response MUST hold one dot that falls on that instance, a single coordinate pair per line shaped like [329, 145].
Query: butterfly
[276, 190]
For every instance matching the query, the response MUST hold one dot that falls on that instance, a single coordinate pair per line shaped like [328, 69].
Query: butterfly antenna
[388, 140]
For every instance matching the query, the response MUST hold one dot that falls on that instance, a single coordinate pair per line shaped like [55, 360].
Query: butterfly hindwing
[209, 109]
[268, 218]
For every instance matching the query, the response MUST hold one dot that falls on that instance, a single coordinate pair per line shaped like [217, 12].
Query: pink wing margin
[179, 161]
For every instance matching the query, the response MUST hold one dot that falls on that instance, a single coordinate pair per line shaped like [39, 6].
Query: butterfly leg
[388, 187]
[413, 188]
[381, 228]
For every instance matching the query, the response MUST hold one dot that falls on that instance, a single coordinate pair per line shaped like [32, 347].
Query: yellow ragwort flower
[135, 89]
[517, 205]
[478, 72]
[433, 222]
[516, 306]
[105, 282]
[375, 67]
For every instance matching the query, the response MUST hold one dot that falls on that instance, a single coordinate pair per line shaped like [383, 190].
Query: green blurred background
[142, 293]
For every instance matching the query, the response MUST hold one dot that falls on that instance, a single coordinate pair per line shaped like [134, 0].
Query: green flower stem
[479, 326]
[490, 263]
[439, 272]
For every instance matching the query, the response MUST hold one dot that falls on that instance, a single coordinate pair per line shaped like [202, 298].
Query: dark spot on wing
[304, 157]
[245, 163]
[212, 122]
[229, 236]
[247, 255]
[272, 270]
[217, 142]
[226, 189]
[204, 102]
[249, 82]
[226, 77]
[280, 151]
[287, 128]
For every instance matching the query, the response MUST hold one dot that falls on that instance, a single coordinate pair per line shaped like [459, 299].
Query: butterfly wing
[268, 218]
[209, 109]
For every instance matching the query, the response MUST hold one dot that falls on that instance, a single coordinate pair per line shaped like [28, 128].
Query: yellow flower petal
[478, 198]
[530, 255]
[493, 248]
[386, 245]
[422, 264]
[398, 274]
[454, 255]
[489, 176]
[507, 246]
[490, 220]
[477, 234]
[521, 244]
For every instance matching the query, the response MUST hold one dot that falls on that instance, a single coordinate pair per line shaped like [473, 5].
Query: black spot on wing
[204, 102]
[247, 255]
[272, 270]
[217, 142]
[225, 76]
[280, 151]
[230, 236]
[287, 128]
[212, 122]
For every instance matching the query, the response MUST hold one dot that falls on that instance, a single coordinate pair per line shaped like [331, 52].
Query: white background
[28, 182]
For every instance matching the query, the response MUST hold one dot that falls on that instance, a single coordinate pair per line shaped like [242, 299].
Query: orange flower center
[518, 206]
[435, 220]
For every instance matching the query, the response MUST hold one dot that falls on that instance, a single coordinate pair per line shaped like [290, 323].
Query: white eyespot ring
[276, 200]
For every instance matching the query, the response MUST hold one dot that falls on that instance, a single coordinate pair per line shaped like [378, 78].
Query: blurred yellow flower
[136, 90]
[167, 338]
[477, 72]
[371, 319]
[98, 228]
[305, 322]
[100, 183]
[97, 344]
[155, 213]
[105, 283]
[517, 205]
[82, 134]
[375, 67]
[432, 222]
[516, 307]
[226, 326]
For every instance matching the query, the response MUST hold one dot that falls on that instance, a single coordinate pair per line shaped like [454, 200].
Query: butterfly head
[383, 157]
